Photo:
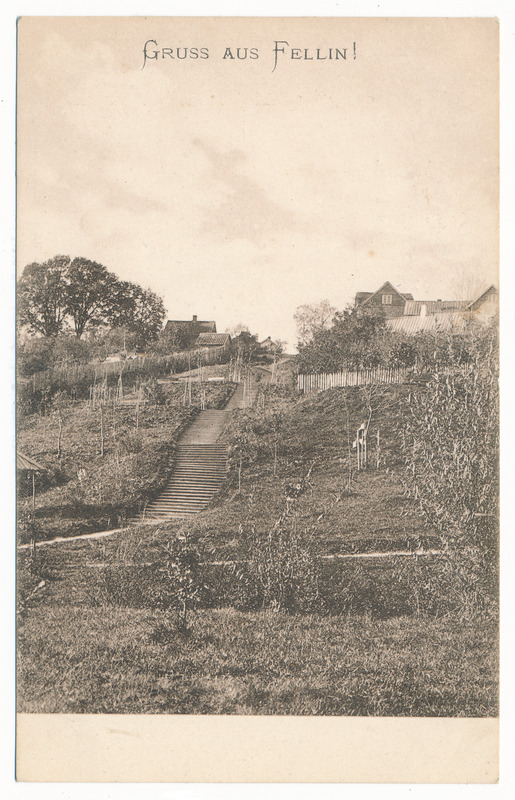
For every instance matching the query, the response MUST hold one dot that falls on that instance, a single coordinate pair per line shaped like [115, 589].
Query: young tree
[67, 349]
[237, 329]
[35, 355]
[171, 340]
[246, 345]
[313, 318]
[356, 339]
[42, 296]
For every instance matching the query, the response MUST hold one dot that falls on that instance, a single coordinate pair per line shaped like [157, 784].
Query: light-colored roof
[205, 339]
[491, 290]
[453, 320]
[24, 462]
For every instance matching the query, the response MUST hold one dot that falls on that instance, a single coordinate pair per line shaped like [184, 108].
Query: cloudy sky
[239, 192]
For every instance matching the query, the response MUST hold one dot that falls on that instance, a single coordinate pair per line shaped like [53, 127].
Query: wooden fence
[70, 374]
[359, 377]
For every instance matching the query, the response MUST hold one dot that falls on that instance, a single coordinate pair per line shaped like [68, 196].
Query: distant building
[486, 305]
[213, 340]
[268, 345]
[387, 298]
[445, 315]
[188, 331]
[411, 316]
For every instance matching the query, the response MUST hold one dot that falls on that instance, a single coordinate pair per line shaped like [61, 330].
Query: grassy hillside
[281, 617]
[102, 465]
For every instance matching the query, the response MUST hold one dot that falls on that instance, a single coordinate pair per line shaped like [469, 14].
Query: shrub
[280, 571]
[181, 586]
[450, 440]
[154, 392]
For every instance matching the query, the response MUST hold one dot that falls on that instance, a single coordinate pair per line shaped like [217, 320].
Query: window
[387, 299]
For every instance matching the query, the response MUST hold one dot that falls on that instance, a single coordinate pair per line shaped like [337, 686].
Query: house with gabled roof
[213, 340]
[424, 316]
[486, 305]
[189, 330]
[411, 316]
[387, 297]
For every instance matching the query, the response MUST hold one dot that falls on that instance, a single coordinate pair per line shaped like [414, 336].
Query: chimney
[194, 317]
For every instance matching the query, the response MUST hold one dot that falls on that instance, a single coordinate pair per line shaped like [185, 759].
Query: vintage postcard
[257, 399]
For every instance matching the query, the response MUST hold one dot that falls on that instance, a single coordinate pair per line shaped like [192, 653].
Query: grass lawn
[78, 659]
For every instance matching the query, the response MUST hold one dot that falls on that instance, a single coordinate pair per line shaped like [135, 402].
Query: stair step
[215, 469]
[191, 487]
[200, 445]
[192, 494]
[201, 453]
[192, 461]
[187, 474]
[195, 480]
[176, 505]
[189, 491]
[179, 507]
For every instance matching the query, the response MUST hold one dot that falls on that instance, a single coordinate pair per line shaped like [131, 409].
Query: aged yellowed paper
[238, 558]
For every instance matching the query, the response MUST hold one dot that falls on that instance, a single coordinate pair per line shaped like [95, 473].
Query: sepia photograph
[257, 386]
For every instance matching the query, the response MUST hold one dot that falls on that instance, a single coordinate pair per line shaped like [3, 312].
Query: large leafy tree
[140, 311]
[86, 295]
[91, 295]
[43, 296]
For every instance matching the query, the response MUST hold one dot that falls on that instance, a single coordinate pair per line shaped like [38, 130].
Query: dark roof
[220, 339]
[203, 326]
[364, 297]
[24, 462]
[413, 307]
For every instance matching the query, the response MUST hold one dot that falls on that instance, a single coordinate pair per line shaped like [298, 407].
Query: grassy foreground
[108, 661]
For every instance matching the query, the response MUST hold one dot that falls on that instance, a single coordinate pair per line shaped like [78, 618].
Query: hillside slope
[283, 614]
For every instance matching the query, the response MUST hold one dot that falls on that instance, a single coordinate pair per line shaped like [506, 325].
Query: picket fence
[70, 374]
[319, 382]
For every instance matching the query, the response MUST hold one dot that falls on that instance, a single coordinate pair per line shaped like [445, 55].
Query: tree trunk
[101, 430]
[59, 435]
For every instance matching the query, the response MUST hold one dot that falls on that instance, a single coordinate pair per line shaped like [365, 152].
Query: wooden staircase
[198, 474]
[200, 463]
